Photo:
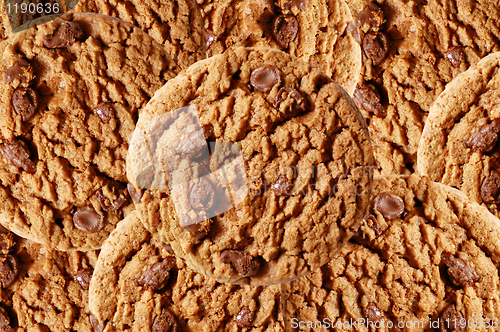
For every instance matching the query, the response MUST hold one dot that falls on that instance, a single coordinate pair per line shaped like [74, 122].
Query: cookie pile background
[93, 240]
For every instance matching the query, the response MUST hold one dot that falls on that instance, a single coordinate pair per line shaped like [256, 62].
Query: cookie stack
[182, 166]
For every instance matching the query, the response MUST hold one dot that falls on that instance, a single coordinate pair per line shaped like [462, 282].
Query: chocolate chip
[65, 36]
[265, 77]
[201, 196]
[298, 101]
[105, 111]
[135, 194]
[450, 320]
[242, 261]
[5, 325]
[490, 188]
[25, 102]
[83, 277]
[196, 231]
[168, 248]
[209, 37]
[376, 47]
[20, 71]
[282, 186]
[353, 30]
[367, 97]
[18, 154]
[288, 4]
[460, 272]
[96, 326]
[157, 275]
[455, 55]
[372, 312]
[88, 220]
[485, 138]
[165, 322]
[112, 203]
[390, 205]
[371, 16]
[245, 317]
[9, 269]
[284, 29]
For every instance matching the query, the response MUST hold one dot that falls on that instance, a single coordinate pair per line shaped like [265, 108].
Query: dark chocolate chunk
[21, 71]
[460, 272]
[18, 154]
[201, 196]
[245, 317]
[157, 275]
[450, 320]
[371, 16]
[485, 138]
[9, 269]
[490, 188]
[282, 186]
[265, 77]
[65, 36]
[25, 102]
[367, 97]
[135, 194]
[196, 231]
[284, 29]
[83, 277]
[105, 112]
[96, 326]
[372, 312]
[88, 220]
[390, 205]
[455, 55]
[376, 47]
[165, 322]
[242, 261]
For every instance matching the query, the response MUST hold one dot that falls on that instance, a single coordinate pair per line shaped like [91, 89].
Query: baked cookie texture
[312, 30]
[176, 25]
[459, 142]
[43, 289]
[424, 252]
[306, 159]
[139, 285]
[411, 50]
[71, 92]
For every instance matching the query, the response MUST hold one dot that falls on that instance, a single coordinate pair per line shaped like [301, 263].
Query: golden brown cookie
[459, 143]
[312, 30]
[426, 259]
[71, 92]
[138, 285]
[411, 50]
[267, 162]
[176, 25]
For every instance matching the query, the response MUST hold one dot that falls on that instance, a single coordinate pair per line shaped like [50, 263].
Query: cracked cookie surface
[424, 253]
[459, 142]
[136, 280]
[305, 157]
[411, 50]
[72, 92]
[312, 30]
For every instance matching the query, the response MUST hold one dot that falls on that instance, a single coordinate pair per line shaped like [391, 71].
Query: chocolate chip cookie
[312, 30]
[177, 25]
[426, 259]
[43, 289]
[411, 50]
[267, 163]
[72, 90]
[138, 285]
[459, 143]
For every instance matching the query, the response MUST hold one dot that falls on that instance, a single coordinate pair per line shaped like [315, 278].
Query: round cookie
[136, 281]
[72, 92]
[411, 50]
[268, 164]
[312, 30]
[177, 25]
[425, 257]
[43, 289]
[459, 142]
